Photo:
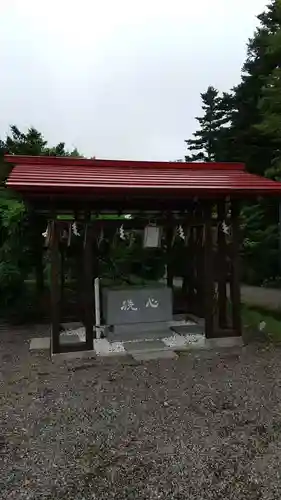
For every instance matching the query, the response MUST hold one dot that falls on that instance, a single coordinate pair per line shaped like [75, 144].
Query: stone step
[141, 335]
[141, 327]
[154, 355]
[145, 346]
[188, 329]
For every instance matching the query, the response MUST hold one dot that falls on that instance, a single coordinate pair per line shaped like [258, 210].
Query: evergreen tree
[262, 126]
[270, 126]
[20, 251]
[253, 137]
[30, 143]
[209, 141]
[250, 144]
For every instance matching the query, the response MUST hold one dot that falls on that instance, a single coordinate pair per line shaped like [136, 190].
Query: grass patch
[254, 316]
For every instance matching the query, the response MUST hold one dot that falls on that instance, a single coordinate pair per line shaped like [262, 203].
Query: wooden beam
[88, 297]
[141, 221]
[209, 272]
[55, 289]
[221, 266]
[235, 266]
[70, 205]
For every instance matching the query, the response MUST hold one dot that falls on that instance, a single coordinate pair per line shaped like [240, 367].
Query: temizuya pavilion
[199, 200]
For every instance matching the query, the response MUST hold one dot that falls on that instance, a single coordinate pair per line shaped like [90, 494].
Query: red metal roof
[63, 175]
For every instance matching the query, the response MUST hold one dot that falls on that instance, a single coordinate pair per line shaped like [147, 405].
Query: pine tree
[256, 138]
[270, 126]
[30, 143]
[253, 137]
[250, 143]
[207, 144]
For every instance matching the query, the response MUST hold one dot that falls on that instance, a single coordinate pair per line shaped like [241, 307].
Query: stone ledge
[65, 356]
[40, 344]
[224, 342]
[154, 355]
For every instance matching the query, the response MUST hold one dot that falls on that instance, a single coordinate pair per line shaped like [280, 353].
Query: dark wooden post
[209, 272]
[199, 271]
[88, 297]
[191, 274]
[38, 252]
[235, 266]
[62, 272]
[185, 266]
[55, 289]
[169, 240]
[221, 266]
[279, 227]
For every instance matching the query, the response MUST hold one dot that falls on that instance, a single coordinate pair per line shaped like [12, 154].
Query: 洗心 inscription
[129, 305]
[121, 306]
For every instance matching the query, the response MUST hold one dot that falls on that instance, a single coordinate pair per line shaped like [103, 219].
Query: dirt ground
[207, 426]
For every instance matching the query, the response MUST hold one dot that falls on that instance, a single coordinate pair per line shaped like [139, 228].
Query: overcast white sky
[118, 78]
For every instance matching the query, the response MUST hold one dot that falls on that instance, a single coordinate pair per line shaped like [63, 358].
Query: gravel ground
[201, 427]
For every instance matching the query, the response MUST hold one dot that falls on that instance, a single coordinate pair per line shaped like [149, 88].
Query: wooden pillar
[88, 296]
[170, 274]
[55, 289]
[235, 266]
[279, 228]
[62, 273]
[79, 264]
[199, 271]
[190, 267]
[209, 272]
[221, 267]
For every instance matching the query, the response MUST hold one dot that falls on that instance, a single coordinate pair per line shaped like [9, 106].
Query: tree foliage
[263, 57]
[21, 249]
[245, 125]
[208, 142]
[31, 143]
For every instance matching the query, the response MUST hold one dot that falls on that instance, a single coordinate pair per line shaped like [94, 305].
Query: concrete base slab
[196, 319]
[185, 341]
[187, 329]
[65, 356]
[79, 334]
[143, 331]
[40, 344]
[181, 323]
[224, 342]
[175, 341]
[104, 348]
[69, 338]
[145, 346]
[196, 341]
[139, 347]
[138, 335]
[154, 355]
[141, 328]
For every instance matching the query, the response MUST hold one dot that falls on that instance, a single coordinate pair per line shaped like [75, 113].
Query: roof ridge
[130, 164]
